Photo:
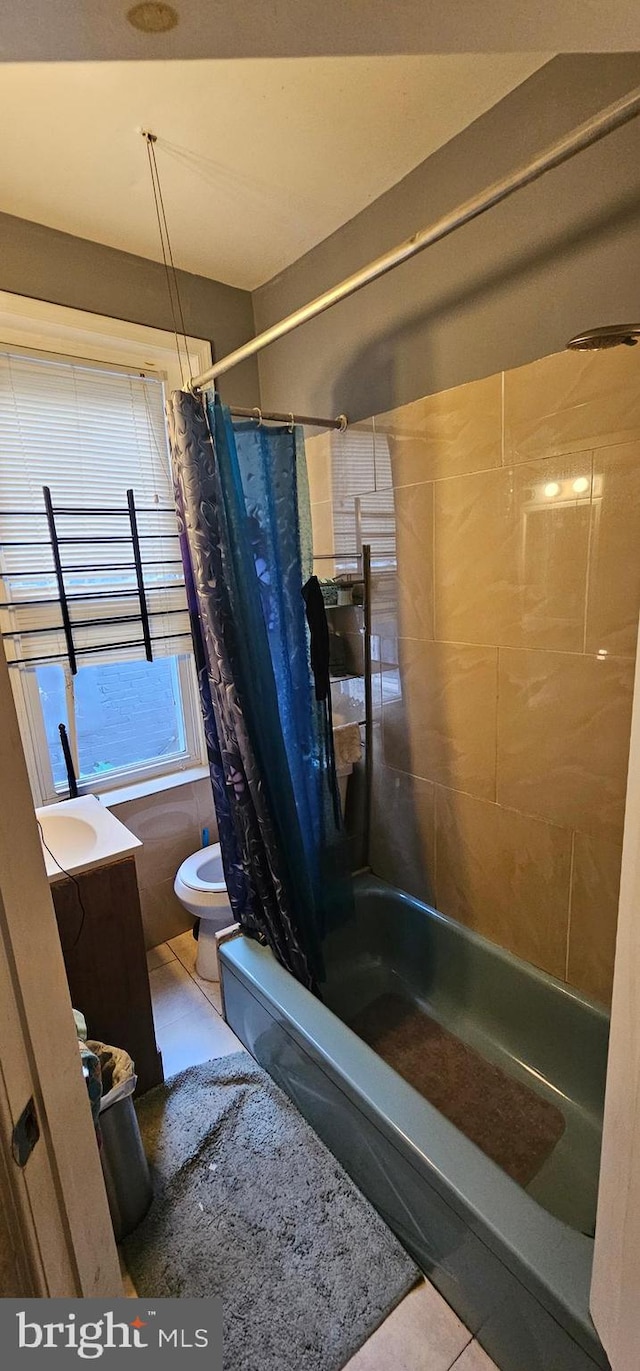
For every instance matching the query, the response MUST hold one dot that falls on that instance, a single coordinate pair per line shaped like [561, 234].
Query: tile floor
[186, 1009]
[422, 1333]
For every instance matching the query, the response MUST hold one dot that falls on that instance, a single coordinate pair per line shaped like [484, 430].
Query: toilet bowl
[200, 887]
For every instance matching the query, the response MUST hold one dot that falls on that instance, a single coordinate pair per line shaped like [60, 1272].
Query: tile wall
[169, 824]
[505, 622]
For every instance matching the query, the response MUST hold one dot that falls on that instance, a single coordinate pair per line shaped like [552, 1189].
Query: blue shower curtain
[245, 529]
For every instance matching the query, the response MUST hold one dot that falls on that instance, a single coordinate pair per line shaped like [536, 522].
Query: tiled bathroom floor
[189, 1027]
[422, 1333]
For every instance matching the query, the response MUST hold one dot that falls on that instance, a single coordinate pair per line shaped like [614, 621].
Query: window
[122, 717]
[91, 431]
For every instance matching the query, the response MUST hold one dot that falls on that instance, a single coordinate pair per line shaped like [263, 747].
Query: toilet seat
[204, 871]
[201, 888]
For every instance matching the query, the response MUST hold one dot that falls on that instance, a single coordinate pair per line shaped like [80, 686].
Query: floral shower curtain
[245, 530]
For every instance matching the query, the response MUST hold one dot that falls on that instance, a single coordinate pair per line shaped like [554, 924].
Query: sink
[64, 833]
[78, 835]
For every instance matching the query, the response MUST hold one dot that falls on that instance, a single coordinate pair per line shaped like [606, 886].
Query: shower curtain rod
[595, 128]
[274, 416]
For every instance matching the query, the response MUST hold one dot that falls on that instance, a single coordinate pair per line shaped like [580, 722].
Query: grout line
[480, 799]
[454, 476]
[461, 1353]
[534, 460]
[495, 778]
[192, 1007]
[502, 423]
[435, 844]
[156, 949]
[509, 647]
[192, 973]
[433, 560]
[182, 1014]
[588, 570]
[571, 865]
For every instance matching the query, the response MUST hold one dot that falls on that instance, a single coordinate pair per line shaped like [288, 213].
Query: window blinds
[90, 434]
[363, 506]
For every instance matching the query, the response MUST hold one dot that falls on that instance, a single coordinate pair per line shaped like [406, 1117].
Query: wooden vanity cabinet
[106, 962]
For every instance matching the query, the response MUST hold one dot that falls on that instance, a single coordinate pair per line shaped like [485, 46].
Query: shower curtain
[245, 530]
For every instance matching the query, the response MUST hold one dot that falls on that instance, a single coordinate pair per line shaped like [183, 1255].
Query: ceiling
[259, 159]
[83, 30]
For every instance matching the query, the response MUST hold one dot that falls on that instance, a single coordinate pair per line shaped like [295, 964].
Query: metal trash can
[124, 1167]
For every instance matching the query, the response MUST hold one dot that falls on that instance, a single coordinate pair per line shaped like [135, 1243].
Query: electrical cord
[71, 878]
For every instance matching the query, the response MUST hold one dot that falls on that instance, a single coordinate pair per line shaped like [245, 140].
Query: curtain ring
[292, 422]
[258, 421]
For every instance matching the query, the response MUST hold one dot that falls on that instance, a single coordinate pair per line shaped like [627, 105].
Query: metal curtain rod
[274, 416]
[613, 117]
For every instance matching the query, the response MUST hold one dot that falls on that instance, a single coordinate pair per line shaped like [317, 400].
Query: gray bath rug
[251, 1206]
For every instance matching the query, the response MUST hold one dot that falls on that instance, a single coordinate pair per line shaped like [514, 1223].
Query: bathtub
[514, 1263]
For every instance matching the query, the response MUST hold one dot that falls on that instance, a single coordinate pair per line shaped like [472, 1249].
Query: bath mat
[512, 1125]
[251, 1206]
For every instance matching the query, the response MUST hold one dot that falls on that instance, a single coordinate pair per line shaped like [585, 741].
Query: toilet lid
[203, 871]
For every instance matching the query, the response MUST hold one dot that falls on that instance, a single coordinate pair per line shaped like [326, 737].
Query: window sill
[138, 790]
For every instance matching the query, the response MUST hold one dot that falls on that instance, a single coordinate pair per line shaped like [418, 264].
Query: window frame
[37, 327]
[39, 764]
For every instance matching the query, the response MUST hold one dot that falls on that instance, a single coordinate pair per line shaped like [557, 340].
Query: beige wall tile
[163, 916]
[594, 915]
[447, 434]
[402, 846]
[571, 401]
[563, 737]
[414, 557]
[542, 583]
[511, 552]
[169, 825]
[444, 726]
[505, 875]
[205, 808]
[318, 454]
[613, 602]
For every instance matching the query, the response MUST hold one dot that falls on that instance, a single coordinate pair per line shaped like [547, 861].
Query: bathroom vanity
[90, 862]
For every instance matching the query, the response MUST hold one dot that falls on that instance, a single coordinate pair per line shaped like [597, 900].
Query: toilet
[200, 887]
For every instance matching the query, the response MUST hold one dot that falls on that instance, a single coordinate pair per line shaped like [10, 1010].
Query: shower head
[610, 336]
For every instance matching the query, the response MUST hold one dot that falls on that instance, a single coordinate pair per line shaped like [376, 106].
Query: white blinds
[89, 434]
[363, 506]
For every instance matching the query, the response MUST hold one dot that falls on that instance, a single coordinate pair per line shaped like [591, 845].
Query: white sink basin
[64, 833]
[78, 835]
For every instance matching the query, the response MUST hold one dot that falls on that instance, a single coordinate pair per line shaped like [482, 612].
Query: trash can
[124, 1164]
